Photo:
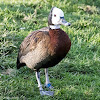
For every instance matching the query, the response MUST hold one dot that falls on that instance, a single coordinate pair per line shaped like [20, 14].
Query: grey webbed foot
[48, 93]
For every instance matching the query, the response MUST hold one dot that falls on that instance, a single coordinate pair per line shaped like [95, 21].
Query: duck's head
[56, 18]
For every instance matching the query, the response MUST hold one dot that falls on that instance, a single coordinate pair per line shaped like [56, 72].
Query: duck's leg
[47, 83]
[38, 80]
[42, 92]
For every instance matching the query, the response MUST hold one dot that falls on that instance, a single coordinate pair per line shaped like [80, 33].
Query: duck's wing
[34, 47]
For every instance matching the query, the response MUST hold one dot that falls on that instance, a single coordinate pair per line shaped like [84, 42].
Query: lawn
[77, 76]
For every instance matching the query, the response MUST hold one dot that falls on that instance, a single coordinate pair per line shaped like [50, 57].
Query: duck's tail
[18, 64]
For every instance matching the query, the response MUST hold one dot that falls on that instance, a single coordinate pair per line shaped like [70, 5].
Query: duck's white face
[58, 17]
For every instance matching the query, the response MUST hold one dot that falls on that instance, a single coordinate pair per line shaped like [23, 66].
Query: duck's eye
[54, 15]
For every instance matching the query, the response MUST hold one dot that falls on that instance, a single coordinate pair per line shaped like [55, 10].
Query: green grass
[77, 77]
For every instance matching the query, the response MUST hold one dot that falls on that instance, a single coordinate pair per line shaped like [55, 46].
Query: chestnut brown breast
[60, 42]
[59, 46]
[43, 48]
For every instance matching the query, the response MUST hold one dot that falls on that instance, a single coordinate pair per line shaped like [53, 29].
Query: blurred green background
[77, 76]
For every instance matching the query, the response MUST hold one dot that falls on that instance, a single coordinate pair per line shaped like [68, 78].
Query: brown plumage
[43, 48]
